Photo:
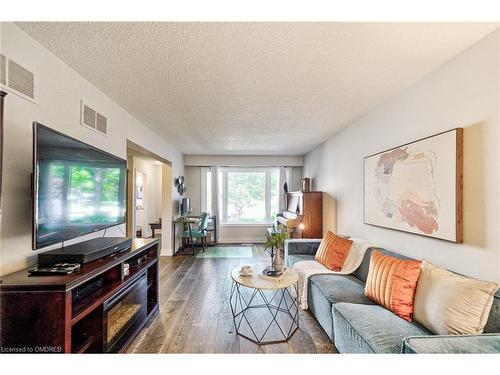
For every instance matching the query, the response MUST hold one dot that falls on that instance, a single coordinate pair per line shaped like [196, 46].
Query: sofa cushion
[292, 259]
[361, 328]
[323, 290]
[321, 308]
[340, 288]
[447, 303]
[470, 344]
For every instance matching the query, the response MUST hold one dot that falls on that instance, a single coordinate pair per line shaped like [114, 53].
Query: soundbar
[86, 251]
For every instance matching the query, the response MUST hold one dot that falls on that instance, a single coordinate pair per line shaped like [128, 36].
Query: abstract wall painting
[417, 187]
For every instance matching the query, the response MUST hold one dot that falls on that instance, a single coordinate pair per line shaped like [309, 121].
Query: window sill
[246, 224]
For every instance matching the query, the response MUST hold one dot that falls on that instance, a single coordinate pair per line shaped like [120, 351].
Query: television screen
[78, 189]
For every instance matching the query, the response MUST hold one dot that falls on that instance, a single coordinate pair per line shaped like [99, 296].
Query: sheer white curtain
[284, 176]
[216, 203]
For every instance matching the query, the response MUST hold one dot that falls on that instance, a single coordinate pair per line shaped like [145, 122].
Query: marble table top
[259, 281]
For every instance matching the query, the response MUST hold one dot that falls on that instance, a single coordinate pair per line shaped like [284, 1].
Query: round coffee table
[272, 294]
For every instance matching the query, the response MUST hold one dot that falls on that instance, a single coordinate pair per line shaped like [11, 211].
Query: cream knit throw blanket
[308, 268]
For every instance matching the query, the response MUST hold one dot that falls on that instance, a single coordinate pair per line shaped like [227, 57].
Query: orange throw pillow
[333, 251]
[392, 283]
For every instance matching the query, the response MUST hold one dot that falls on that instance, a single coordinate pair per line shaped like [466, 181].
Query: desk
[192, 220]
[155, 225]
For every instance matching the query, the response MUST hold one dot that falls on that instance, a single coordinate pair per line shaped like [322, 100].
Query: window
[249, 195]
[206, 190]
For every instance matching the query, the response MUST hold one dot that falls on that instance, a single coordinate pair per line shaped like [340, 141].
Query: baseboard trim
[166, 252]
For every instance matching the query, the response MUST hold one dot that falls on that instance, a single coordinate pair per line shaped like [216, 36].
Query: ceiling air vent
[3, 70]
[21, 80]
[101, 124]
[94, 119]
[17, 78]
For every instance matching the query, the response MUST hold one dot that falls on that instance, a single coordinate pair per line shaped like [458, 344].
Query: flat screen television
[77, 188]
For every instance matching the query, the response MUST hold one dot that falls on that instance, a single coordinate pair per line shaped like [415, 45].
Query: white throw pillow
[450, 304]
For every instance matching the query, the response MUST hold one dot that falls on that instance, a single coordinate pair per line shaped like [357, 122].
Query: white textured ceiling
[252, 88]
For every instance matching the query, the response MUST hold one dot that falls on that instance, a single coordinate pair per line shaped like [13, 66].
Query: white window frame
[224, 187]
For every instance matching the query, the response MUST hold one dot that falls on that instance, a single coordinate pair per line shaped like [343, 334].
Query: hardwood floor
[195, 316]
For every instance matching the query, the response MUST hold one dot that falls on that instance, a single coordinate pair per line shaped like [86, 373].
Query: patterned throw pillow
[392, 283]
[333, 251]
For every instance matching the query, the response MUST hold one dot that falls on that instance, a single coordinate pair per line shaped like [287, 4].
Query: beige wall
[152, 196]
[60, 90]
[463, 92]
[193, 187]
[167, 210]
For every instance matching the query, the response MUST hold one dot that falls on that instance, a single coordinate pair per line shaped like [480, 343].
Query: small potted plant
[275, 242]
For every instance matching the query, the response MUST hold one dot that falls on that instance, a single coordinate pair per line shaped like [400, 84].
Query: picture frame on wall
[417, 187]
[139, 190]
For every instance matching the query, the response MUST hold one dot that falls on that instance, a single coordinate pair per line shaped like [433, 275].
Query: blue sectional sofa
[356, 324]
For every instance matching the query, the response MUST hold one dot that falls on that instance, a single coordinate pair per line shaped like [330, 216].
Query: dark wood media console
[57, 314]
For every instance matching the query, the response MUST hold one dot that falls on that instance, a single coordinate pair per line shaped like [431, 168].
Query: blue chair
[200, 232]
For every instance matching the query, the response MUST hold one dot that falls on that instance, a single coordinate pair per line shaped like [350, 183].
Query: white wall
[60, 90]
[463, 92]
[193, 187]
[152, 202]
[295, 179]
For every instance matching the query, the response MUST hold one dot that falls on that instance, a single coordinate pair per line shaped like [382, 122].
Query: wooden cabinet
[312, 214]
[304, 214]
[57, 314]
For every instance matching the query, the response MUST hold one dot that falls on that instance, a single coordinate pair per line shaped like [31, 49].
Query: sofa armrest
[306, 246]
[452, 344]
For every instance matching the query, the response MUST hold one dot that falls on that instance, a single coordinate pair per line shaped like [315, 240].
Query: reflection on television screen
[80, 189]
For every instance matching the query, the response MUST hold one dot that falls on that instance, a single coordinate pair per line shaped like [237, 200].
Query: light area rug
[226, 252]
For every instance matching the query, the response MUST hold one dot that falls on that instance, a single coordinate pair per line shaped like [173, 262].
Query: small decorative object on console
[126, 269]
[306, 184]
[135, 262]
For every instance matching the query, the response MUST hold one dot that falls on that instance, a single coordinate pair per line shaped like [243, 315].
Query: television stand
[100, 309]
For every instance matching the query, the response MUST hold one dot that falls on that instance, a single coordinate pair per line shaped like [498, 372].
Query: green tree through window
[251, 196]
[245, 191]
[110, 184]
[82, 183]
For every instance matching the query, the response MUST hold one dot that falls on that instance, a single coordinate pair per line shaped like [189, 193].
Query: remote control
[56, 269]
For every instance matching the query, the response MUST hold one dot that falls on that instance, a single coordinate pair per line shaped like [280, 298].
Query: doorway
[149, 196]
